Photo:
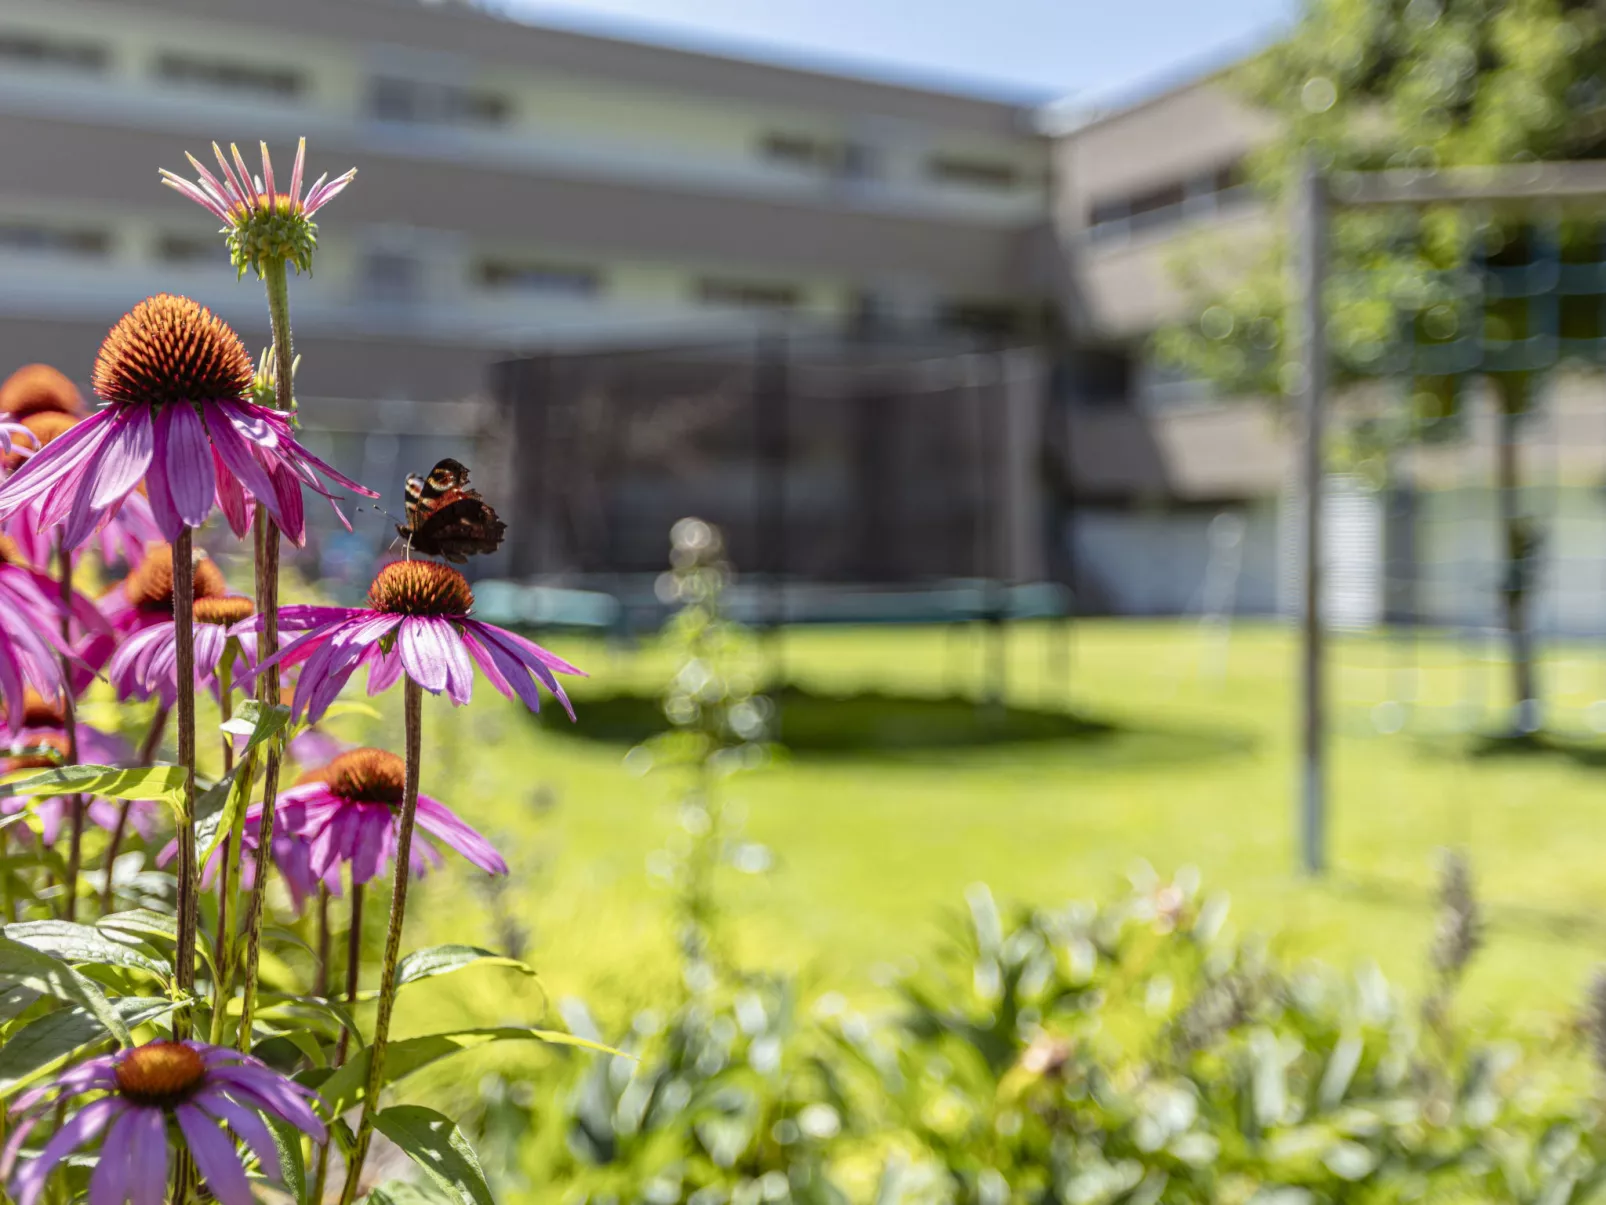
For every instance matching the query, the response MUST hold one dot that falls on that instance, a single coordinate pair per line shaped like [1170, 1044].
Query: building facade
[517, 185]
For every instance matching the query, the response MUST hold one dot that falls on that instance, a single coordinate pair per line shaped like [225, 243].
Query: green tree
[1372, 84]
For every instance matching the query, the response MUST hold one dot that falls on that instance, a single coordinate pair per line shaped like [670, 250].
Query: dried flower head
[264, 227]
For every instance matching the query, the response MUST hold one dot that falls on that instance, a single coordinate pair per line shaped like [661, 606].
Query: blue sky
[1091, 49]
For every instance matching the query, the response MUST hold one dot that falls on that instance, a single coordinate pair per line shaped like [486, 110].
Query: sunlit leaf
[47, 1042]
[250, 720]
[443, 960]
[436, 1144]
[163, 783]
[22, 965]
[73, 942]
[350, 707]
[292, 1169]
[348, 1086]
[141, 922]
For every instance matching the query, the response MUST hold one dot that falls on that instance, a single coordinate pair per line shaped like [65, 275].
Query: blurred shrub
[1134, 1052]
[1127, 1053]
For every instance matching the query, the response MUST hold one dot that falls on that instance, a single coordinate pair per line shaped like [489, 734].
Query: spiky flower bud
[1595, 1018]
[1460, 930]
[265, 228]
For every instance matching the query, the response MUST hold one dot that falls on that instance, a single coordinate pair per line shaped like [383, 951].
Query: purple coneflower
[291, 856]
[144, 598]
[416, 621]
[197, 1086]
[262, 223]
[146, 663]
[347, 813]
[38, 404]
[30, 622]
[174, 378]
[39, 742]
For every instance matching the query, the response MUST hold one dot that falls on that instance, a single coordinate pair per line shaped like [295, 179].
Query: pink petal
[186, 463]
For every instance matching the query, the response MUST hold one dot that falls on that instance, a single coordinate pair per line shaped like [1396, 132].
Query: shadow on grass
[809, 724]
[1578, 748]
[1557, 923]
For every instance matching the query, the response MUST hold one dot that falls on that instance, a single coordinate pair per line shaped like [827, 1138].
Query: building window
[1098, 376]
[36, 50]
[422, 102]
[1169, 202]
[393, 277]
[994, 319]
[33, 238]
[747, 294]
[230, 75]
[190, 249]
[800, 151]
[553, 280]
[991, 174]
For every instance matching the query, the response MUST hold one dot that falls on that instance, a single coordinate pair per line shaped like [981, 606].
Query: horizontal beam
[1517, 182]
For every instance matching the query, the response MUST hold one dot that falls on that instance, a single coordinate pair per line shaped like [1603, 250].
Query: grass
[1197, 768]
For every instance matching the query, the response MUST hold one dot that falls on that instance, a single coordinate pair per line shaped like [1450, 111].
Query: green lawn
[870, 851]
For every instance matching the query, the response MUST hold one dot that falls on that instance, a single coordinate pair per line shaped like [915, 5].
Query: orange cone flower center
[42, 751]
[420, 588]
[366, 776]
[150, 587]
[40, 712]
[160, 1073]
[171, 349]
[223, 611]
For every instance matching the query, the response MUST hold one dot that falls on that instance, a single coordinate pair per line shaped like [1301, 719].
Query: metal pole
[1310, 254]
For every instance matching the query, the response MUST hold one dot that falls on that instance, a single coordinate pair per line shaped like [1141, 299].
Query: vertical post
[772, 453]
[1309, 240]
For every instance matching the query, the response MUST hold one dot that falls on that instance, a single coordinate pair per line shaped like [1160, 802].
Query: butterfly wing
[415, 495]
[460, 525]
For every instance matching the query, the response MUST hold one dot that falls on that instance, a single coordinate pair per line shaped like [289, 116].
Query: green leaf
[436, 1144]
[400, 1192]
[251, 721]
[292, 1167]
[141, 922]
[72, 942]
[164, 783]
[282, 1004]
[217, 810]
[349, 1085]
[342, 707]
[14, 1000]
[27, 967]
[45, 1043]
[443, 960]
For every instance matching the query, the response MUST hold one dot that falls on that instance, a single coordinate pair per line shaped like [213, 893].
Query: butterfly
[447, 519]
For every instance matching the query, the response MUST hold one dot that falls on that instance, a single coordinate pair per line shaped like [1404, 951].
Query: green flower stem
[353, 970]
[75, 805]
[275, 280]
[223, 943]
[320, 986]
[188, 876]
[414, 701]
[353, 966]
[147, 757]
